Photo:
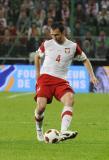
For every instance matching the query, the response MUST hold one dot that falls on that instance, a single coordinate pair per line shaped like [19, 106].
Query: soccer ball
[51, 136]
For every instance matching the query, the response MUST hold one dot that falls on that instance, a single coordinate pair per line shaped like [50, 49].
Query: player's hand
[94, 80]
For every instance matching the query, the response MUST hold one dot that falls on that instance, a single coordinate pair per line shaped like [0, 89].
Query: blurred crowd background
[24, 24]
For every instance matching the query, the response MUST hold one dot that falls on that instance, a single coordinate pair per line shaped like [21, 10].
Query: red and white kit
[55, 66]
[59, 57]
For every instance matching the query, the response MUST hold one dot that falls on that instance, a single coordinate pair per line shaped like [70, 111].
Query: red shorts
[49, 86]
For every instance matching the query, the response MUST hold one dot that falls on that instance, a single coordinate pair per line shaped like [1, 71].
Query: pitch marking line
[19, 95]
[11, 122]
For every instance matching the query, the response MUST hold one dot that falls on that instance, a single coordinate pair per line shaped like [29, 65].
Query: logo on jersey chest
[67, 50]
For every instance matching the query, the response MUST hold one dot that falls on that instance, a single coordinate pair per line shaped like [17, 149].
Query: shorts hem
[59, 99]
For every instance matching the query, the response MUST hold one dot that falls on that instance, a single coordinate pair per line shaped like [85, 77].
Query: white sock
[66, 117]
[39, 120]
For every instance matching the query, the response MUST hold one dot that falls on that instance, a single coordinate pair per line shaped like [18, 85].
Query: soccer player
[58, 54]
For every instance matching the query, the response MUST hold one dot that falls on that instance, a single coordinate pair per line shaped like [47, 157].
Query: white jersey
[58, 57]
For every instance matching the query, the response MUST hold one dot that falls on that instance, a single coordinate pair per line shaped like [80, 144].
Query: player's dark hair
[58, 25]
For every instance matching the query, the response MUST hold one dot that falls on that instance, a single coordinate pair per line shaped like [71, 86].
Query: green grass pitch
[17, 129]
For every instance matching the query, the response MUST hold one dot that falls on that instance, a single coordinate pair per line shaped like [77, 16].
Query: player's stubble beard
[61, 40]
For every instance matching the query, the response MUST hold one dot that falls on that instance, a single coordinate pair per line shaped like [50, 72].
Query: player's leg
[68, 100]
[67, 113]
[43, 97]
[65, 94]
[39, 116]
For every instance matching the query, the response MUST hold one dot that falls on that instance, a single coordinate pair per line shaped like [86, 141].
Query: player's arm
[37, 61]
[80, 55]
[39, 55]
[88, 65]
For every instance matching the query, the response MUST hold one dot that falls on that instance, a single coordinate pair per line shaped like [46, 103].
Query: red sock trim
[67, 113]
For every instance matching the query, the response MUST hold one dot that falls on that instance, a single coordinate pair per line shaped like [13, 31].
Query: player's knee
[69, 101]
[41, 105]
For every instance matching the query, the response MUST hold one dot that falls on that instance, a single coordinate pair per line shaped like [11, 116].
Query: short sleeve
[79, 54]
[41, 50]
